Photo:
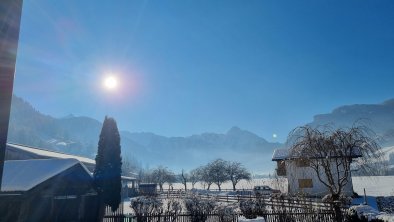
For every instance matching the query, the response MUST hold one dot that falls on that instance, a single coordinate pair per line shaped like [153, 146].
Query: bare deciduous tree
[237, 172]
[184, 178]
[217, 170]
[205, 176]
[330, 152]
[194, 177]
[162, 175]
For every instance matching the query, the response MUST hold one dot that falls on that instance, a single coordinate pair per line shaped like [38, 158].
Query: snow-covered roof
[128, 178]
[283, 154]
[280, 154]
[23, 175]
[49, 154]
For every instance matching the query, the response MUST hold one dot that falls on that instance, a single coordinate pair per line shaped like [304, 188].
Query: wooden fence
[277, 209]
[269, 217]
[273, 202]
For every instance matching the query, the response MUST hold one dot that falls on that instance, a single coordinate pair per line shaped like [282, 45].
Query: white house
[302, 178]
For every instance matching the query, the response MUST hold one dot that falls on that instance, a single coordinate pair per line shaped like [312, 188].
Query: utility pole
[10, 17]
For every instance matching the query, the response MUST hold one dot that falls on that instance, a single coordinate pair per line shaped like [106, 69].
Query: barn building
[47, 190]
[23, 152]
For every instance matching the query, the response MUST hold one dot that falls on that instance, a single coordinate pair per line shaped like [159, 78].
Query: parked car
[264, 190]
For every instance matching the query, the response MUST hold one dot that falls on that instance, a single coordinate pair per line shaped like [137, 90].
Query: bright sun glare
[110, 82]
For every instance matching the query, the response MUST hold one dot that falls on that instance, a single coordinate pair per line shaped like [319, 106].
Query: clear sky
[185, 67]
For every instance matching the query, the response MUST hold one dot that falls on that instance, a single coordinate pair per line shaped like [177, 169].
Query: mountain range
[377, 117]
[79, 135]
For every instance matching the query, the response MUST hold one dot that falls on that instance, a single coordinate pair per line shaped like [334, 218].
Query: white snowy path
[126, 206]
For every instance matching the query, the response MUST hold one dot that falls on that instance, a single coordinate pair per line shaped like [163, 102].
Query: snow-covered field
[374, 186]
[280, 184]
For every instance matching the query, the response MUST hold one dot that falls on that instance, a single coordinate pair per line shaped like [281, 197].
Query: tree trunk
[337, 208]
[209, 185]
[234, 186]
[338, 212]
[220, 189]
[185, 186]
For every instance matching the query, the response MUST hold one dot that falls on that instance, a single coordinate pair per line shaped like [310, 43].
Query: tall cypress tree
[107, 174]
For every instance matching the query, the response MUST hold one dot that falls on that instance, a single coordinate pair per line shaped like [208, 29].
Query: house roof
[285, 154]
[23, 175]
[39, 153]
[280, 154]
[125, 178]
[49, 154]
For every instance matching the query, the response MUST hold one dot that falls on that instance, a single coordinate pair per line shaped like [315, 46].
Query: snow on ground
[371, 201]
[371, 213]
[126, 206]
[386, 217]
[374, 185]
[279, 184]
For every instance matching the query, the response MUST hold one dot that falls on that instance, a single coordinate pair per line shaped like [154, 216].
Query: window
[305, 183]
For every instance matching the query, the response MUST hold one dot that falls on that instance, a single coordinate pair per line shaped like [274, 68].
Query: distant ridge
[379, 117]
[79, 136]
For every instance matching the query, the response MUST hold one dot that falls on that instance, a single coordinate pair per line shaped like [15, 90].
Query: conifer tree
[107, 174]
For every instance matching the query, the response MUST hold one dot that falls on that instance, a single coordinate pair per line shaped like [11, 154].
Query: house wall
[294, 173]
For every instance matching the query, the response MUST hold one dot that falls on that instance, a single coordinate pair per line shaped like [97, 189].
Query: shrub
[144, 206]
[226, 213]
[199, 208]
[352, 216]
[248, 209]
[172, 208]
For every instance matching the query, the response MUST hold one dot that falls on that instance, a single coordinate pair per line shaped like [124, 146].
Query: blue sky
[188, 67]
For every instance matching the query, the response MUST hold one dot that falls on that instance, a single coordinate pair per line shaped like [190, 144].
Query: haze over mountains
[79, 135]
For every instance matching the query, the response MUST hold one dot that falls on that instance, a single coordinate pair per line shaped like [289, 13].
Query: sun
[110, 82]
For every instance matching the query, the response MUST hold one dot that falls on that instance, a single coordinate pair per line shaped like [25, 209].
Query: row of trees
[216, 172]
